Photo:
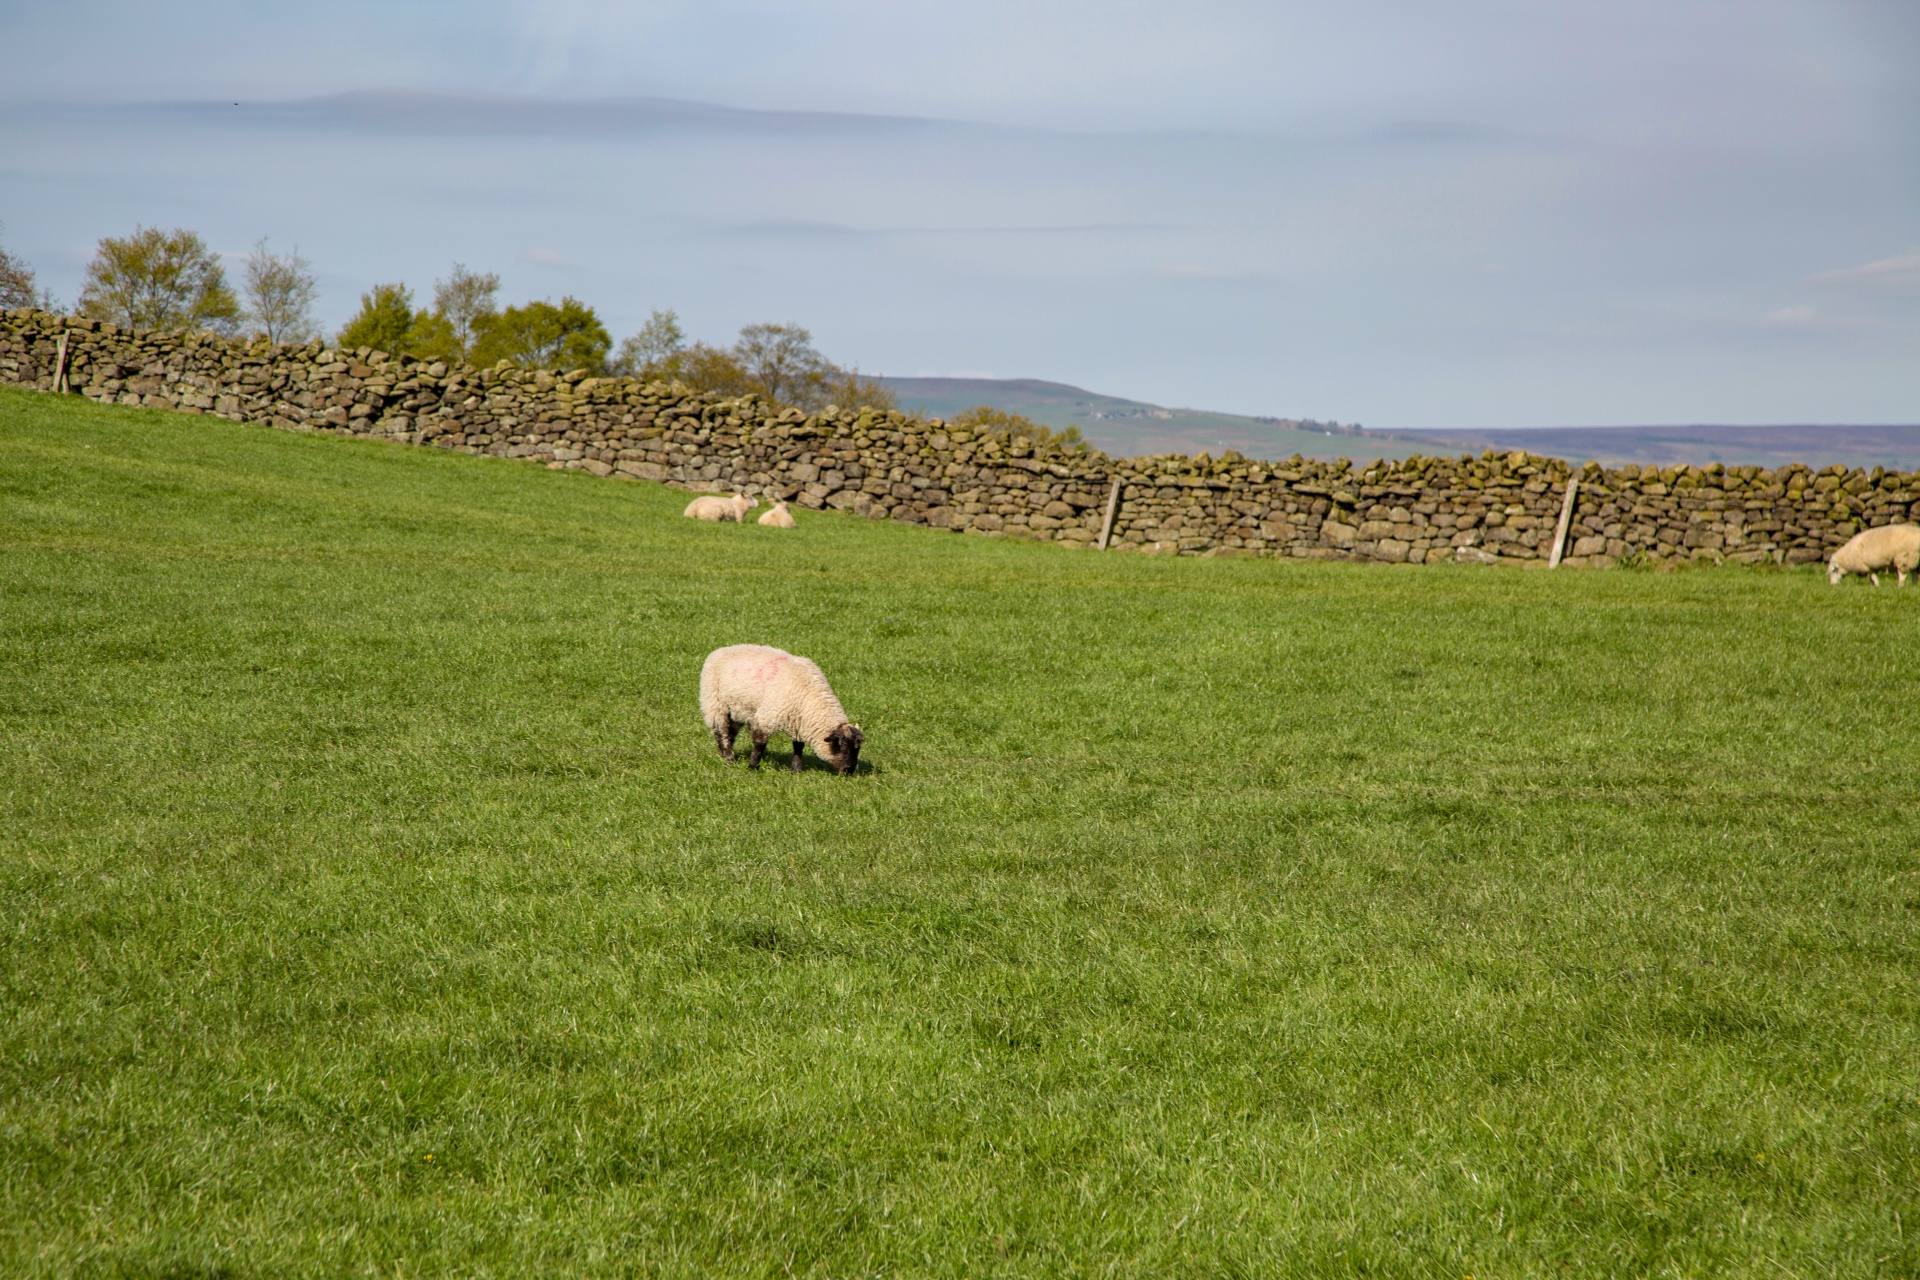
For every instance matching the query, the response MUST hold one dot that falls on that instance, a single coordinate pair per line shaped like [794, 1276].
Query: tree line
[171, 280]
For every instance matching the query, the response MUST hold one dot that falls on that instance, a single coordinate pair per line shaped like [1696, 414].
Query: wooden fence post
[60, 365]
[1566, 518]
[1113, 507]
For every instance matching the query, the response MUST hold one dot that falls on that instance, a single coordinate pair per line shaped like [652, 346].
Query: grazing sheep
[734, 508]
[1891, 546]
[778, 517]
[772, 691]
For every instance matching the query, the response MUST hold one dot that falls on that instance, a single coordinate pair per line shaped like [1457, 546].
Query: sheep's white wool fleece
[779, 517]
[770, 691]
[734, 508]
[1874, 550]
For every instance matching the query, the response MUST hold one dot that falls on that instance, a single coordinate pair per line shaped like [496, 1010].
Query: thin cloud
[1803, 319]
[1901, 270]
[548, 258]
[803, 228]
[419, 111]
[1793, 317]
[1190, 272]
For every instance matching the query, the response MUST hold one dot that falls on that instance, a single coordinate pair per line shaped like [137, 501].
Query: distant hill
[1129, 428]
[1855, 446]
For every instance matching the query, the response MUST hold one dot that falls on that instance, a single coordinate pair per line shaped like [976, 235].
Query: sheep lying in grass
[779, 517]
[734, 508]
[1891, 546]
[772, 691]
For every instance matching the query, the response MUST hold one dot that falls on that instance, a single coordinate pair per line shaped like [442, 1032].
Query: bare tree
[17, 285]
[777, 362]
[465, 301]
[705, 367]
[659, 350]
[279, 289]
[782, 362]
[158, 279]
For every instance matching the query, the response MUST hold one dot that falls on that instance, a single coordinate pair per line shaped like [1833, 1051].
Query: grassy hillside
[373, 902]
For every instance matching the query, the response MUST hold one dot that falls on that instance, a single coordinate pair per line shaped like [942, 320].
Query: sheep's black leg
[799, 748]
[723, 738]
[759, 748]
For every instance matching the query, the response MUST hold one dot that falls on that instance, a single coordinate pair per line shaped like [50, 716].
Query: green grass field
[373, 901]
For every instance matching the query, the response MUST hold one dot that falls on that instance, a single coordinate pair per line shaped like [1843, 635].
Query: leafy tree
[464, 301]
[990, 421]
[159, 280]
[384, 321]
[782, 364]
[432, 337]
[541, 335]
[17, 285]
[279, 290]
[659, 350]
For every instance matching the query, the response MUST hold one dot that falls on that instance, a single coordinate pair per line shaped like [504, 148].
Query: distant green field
[373, 902]
[1130, 428]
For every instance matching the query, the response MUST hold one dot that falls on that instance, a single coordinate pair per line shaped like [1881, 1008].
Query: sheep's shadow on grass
[810, 763]
[782, 762]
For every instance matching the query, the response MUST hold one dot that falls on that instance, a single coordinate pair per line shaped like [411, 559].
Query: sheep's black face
[843, 747]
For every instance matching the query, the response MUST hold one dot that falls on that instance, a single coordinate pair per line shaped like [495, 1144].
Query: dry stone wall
[1489, 509]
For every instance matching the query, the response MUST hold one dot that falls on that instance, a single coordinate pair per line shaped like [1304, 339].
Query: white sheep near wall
[711, 508]
[772, 691]
[1872, 551]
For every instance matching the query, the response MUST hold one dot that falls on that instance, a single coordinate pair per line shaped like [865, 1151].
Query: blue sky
[1482, 213]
